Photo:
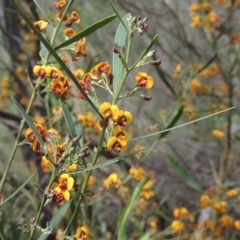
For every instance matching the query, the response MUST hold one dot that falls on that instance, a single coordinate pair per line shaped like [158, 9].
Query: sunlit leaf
[119, 41]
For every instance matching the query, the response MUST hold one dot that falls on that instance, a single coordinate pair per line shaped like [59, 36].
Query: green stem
[88, 174]
[55, 32]
[115, 10]
[16, 141]
[43, 202]
[2, 234]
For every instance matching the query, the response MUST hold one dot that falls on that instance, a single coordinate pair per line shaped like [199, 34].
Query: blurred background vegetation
[207, 150]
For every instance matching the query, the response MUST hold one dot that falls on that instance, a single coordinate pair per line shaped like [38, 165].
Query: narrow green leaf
[54, 54]
[28, 120]
[175, 117]
[125, 214]
[208, 63]
[119, 41]
[163, 215]
[87, 31]
[57, 218]
[148, 48]
[184, 173]
[34, 12]
[108, 162]
[182, 125]
[162, 75]
[146, 236]
[118, 15]
[18, 190]
[68, 117]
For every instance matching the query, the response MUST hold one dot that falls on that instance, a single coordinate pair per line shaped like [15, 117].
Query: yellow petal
[66, 195]
[63, 177]
[70, 183]
[104, 107]
[111, 142]
[115, 112]
[140, 75]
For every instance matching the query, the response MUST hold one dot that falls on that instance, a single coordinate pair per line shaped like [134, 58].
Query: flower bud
[80, 95]
[145, 19]
[146, 98]
[145, 25]
[140, 31]
[150, 53]
[84, 149]
[77, 138]
[102, 190]
[156, 63]
[115, 50]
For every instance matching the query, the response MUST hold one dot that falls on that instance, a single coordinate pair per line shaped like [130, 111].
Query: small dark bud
[139, 18]
[146, 98]
[156, 63]
[140, 31]
[68, 137]
[77, 138]
[84, 149]
[115, 50]
[145, 19]
[86, 154]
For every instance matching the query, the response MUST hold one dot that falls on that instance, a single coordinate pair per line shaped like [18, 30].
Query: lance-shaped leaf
[119, 41]
[163, 76]
[208, 63]
[184, 173]
[68, 117]
[29, 121]
[108, 162]
[87, 31]
[182, 125]
[56, 218]
[125, 214]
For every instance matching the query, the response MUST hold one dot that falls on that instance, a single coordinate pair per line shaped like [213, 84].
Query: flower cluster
[60, 83]
[203, 16]
[62, 188]
[120, 119]
[78, 49]
[100, 74]
[112, 179]
[82, 233]
[30, 136]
